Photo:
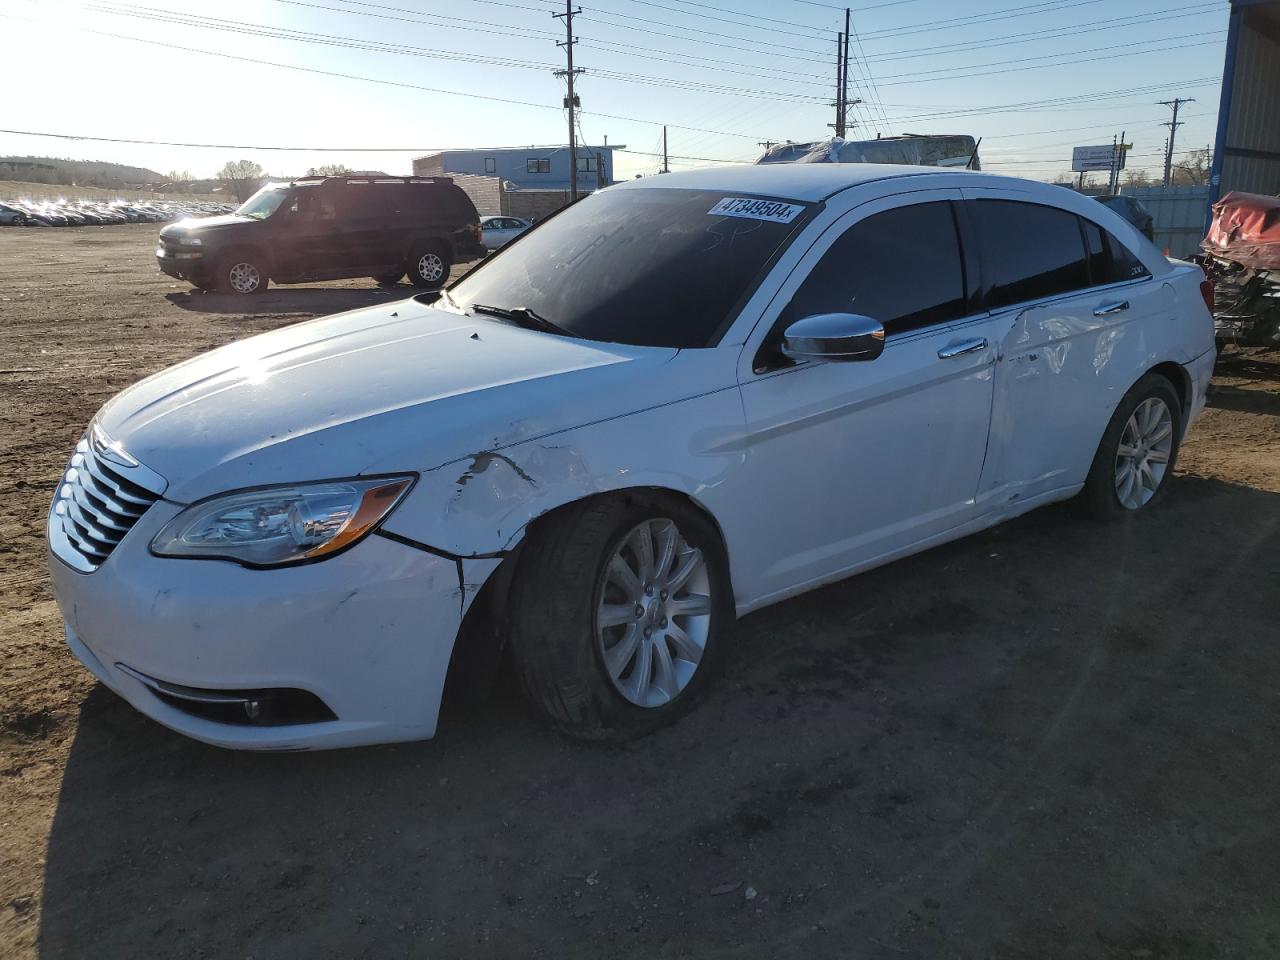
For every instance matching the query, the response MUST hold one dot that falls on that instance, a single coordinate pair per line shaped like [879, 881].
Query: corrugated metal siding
[1254, 122]
[1178, 213]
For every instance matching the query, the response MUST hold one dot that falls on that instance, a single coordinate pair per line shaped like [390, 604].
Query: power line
[248, 146]
[990, 16]
[1055, 102]
[753, 16]
[812, 34]
[380, 81]
[530, 32]
[240, 27]
[1064, 53]
[774, 48]
[1039, 66]
[1050, 33]
[876, 6]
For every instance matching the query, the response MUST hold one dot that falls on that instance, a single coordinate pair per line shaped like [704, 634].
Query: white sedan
[499, 231]
[680, 400]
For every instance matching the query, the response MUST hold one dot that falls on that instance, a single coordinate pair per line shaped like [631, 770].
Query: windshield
[649, 267]
[263, 203]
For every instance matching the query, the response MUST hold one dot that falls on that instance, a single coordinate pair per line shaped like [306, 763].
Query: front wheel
[429, 268]
[1135, 459]
[242, 274]
[620, 609]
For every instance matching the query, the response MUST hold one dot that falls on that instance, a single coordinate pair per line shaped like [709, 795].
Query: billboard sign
[1084, 159]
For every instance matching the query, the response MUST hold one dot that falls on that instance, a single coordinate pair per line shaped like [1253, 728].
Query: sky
[382, 82]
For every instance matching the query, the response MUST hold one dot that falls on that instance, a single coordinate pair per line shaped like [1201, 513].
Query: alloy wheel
[244, 278]
[430, 267]
[654, 614]
[1142, 457]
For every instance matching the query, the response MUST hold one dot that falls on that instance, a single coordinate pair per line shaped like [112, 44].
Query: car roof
[808, 181]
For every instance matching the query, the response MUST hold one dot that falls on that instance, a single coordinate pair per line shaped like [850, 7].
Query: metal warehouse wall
[1178, 215]
[1248, 151]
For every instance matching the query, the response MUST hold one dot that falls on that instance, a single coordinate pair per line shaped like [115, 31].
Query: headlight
[281, 525]
[191, 241]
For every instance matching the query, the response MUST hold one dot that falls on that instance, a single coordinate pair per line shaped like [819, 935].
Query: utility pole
[665, 167]
[767, 144]
[843, 103]
[838, 126]
[571, 101]
[1173, 126]
[844, 82]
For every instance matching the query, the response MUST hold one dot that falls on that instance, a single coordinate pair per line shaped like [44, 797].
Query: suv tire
[242, 272]
[429, 267]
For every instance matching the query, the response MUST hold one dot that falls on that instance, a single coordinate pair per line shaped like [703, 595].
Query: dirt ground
[1055, 739]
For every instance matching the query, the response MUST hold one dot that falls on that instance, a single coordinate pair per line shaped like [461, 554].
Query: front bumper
[192, 269]
[369, 633]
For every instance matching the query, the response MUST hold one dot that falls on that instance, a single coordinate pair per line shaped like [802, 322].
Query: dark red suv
[328, 228]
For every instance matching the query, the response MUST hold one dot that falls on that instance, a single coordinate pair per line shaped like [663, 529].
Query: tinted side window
[1110, 261]
[1124, 264]
[1031, 251]
[1098, 255]
[450, 203]
[901, 267]
[362, 201]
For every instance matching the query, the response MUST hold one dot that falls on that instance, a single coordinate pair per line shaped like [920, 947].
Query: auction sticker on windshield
[772, 210]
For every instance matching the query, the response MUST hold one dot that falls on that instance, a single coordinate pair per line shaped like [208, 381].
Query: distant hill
[84, 173]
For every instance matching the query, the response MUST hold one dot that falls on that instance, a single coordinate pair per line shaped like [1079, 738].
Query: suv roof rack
[370, 178]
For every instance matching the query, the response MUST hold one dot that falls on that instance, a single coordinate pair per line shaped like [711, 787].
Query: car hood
[403, 385]
[195, 224]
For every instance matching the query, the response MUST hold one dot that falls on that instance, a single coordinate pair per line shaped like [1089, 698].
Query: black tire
[388, 280]
[1100, 497]
[237, 268]
[429, 266]
[557, 588]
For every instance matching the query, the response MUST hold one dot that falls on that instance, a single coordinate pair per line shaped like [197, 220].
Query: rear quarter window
[1110, 261]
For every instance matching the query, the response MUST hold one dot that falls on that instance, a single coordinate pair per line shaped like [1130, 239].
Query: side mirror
[834, 336]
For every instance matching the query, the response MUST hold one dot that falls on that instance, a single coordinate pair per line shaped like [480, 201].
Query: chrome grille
[101, 497]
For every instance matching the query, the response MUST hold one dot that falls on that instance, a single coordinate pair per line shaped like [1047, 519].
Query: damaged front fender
[480, 506]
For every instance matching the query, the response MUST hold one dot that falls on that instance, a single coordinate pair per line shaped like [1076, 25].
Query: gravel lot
[1055, 739]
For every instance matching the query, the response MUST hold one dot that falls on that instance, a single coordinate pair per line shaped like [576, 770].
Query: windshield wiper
[524, 317]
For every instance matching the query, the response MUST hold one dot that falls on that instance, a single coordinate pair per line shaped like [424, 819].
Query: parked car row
[81, 213]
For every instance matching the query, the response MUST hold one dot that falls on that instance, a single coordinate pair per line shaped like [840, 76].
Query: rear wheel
[429, 268]
[1136, 457]
[620, 606]
[387, 280]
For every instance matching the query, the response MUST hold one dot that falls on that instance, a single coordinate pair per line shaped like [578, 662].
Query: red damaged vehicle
[1242, 258]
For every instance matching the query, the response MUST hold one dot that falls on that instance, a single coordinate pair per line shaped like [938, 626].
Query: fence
[1179, 215]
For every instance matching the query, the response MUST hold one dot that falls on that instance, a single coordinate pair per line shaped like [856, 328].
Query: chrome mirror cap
[834, 336]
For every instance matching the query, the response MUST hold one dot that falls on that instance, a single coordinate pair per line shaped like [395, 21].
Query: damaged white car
[679, 400]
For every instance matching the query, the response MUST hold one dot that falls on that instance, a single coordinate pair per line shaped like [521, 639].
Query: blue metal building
[526, 168]
[1246, 156]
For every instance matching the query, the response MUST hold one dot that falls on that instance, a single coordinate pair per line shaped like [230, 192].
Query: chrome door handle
[962, 347]
[1109, 308]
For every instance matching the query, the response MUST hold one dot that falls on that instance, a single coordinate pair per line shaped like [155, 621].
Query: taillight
[479, 233]
[1206, 291]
